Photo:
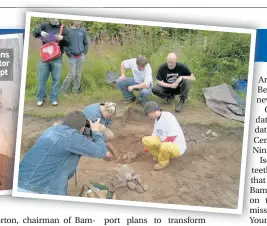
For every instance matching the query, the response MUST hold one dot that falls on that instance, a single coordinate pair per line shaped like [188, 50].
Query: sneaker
[130, 101]
[40, 103]
[160, 167]
[180, 105]
[54, 103]
[169, 99]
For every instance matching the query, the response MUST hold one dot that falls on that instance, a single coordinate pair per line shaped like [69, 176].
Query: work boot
[180, 105]
[169, 99]
[160, 167]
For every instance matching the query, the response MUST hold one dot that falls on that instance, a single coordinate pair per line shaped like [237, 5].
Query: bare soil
[206, 175]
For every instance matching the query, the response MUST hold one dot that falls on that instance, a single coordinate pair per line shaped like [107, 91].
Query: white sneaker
[55, 103]
[40, 103]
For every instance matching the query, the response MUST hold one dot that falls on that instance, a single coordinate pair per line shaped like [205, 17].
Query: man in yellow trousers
[167, 140]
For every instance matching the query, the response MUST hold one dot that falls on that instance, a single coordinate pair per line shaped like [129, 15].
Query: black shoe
[169, 99]
[180, 105]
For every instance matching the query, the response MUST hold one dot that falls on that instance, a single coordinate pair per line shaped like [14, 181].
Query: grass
[106, 57]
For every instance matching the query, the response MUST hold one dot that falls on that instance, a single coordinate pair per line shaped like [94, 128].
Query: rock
[139, 189]
[136, 176]
[118, 181]
[214, 134]
[209, 132]
[131, 185]
[128, 176]
[126, 172]
[139, 180]
[202, 135]
[145, 187]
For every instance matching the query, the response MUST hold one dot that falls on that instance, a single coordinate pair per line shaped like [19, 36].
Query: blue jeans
[45, 68]
[74, 73]
[123, 86]
[25, 191]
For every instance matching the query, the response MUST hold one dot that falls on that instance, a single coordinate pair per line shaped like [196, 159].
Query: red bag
[51, 50]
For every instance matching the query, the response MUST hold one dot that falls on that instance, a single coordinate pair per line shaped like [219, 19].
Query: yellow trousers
[163, 151]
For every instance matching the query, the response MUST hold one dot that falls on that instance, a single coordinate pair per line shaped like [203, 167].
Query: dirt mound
[129, 131]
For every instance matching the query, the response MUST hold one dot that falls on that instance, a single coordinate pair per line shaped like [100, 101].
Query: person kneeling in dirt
[104, 111]
[167, 140]
[173, 78]
[142, 79]
[53, 159]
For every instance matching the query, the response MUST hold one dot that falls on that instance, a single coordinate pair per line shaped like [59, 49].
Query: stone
[145, 187]
[202, 135]
[214, 134]
[131, 185]
[209, 132]
[139, 189]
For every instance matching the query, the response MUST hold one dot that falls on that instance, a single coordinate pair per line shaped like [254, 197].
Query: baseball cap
[151, 106]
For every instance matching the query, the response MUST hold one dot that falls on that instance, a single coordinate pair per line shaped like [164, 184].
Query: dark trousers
[182, 90]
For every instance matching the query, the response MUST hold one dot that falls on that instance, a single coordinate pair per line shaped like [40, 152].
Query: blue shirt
[53, 159]
[78, 42]
[93, 112]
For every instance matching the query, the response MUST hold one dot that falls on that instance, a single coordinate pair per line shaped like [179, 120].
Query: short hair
[110, 107]
[141, 61]
[75, 120]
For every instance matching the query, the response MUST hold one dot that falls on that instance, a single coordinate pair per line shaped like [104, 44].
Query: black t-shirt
[170, 76]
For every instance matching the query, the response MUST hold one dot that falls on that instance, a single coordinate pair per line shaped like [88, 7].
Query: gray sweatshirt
[78, 42]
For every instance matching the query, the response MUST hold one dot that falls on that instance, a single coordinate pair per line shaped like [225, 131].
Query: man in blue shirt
[76, 53]
[53, 159]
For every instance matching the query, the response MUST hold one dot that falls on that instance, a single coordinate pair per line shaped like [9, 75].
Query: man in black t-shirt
[173, 78]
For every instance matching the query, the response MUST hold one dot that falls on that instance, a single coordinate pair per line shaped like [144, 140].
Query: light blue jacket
[53, 159]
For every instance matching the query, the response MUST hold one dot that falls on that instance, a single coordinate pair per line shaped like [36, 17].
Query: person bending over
[53, 159]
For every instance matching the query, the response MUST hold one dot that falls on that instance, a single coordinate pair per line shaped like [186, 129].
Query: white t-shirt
[144, 76]
[167, 126]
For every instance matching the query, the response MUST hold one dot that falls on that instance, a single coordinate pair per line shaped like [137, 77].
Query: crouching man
[53, 159]
[167, 140]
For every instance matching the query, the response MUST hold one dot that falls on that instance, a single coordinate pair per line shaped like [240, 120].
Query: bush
[214, 57]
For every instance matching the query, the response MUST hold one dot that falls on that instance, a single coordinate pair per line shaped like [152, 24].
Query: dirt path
[206, 175]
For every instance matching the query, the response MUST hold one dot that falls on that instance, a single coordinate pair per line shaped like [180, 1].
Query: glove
[170, 139]
[44, 34]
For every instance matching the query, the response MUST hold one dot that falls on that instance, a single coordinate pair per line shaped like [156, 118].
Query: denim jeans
[74, 73]
[45, 68]
[25, 191]
[123, 87]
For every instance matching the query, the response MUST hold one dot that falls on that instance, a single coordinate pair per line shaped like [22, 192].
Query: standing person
[173, 78]
[167, 140]
[48, 32]
[53, 159]
[142, 79]
[76, 53]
